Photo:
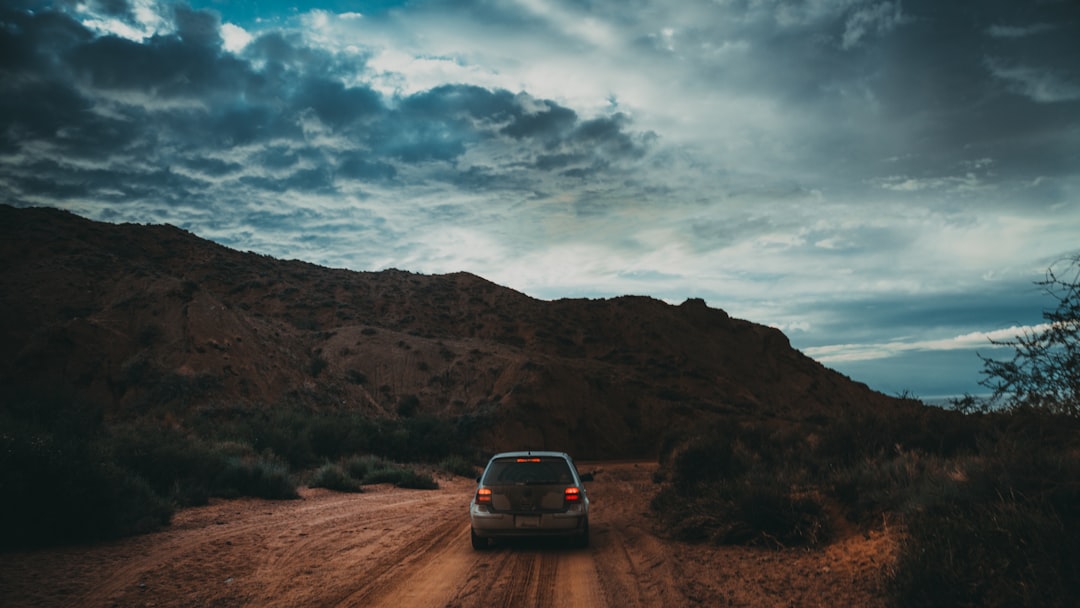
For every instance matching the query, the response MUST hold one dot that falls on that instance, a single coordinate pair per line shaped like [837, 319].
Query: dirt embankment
[394, 547]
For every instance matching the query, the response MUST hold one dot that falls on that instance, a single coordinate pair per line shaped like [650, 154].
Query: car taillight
[483, 496]
[572, 494]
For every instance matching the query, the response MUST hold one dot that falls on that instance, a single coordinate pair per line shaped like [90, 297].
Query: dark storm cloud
[924, 83]
[915, 316]
[335, 104]
[941, 81]
[135, 108]
[942, 84]
[461, 102]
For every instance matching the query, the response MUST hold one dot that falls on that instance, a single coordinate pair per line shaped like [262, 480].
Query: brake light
[572, 494]
[483, 496]
[528, 460]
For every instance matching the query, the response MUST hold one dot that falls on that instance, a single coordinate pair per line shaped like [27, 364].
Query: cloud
[234, 38]
[281, 106]
[843, 353]
[1039, 84]
[877, 18]
[1018, 31]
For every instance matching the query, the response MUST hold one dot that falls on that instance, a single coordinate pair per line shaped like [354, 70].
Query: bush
[1007, 552]
[412, 479]
[85, 480]
[1005, 533]
[260, 476]
[359, 467]
[189, 470]
[334, 477]
[739, 484]
[372, 470]
[61, 491]
[460, 466]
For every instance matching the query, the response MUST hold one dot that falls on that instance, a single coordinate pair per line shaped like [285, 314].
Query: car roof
[527, 453]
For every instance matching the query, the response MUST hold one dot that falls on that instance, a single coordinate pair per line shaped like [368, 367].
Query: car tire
[581, 541]
[478, 542]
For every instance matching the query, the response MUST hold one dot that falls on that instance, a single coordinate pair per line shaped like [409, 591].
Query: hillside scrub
[62, 486]
[987, 501]
[353, 473]
[79, 478]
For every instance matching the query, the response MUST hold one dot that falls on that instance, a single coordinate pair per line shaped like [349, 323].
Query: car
[530, 494]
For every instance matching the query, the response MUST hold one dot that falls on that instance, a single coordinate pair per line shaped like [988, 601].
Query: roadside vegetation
[80, 479]
[986, 492]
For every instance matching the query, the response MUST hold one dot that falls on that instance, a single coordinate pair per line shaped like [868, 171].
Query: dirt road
[410, 548]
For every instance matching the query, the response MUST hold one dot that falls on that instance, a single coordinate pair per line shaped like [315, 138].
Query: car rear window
[528, 470]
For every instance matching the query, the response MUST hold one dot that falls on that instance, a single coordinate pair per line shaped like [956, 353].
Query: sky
[884, 181]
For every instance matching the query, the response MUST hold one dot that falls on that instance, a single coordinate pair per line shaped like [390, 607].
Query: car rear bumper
[487, 524]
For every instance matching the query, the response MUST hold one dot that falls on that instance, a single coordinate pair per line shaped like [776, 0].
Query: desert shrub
[316, 365]
[408, 405]
[305, 438]
[458, 465]
[331, 435]
[174, 465]
[404, 477]
[773, 515]
[372, 470]
[998, 528]
[359, 466]
[1007, 552]
[894, 483]
[188, 469]
[334, 477]
[264, 476]
[282, 431]
[745, 512]
[62, 490]
[739, 484]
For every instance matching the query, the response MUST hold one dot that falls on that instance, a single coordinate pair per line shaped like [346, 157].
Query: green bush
[63, 490]
[460, 466]
[372, 470]
[334, 477]
[740, 484]
[189, 470]
[85, 479]
[412, 479]
[263, 476]
[305, 437]
[359, 467]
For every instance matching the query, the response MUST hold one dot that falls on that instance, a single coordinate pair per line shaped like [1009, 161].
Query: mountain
[139, 320]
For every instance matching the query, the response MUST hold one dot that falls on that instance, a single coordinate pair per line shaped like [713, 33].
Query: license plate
[527, 521]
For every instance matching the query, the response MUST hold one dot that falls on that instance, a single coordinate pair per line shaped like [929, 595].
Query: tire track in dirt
[129, 570]
[288, 552]
[515, 588]
[408, 568]
[337, 542]
[578, 583]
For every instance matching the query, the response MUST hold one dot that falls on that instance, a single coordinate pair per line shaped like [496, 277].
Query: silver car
[530, 494]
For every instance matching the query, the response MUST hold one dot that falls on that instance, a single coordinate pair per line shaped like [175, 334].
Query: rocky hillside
[145, 320]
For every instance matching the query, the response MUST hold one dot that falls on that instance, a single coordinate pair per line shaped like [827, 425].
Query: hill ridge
[149, 318]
